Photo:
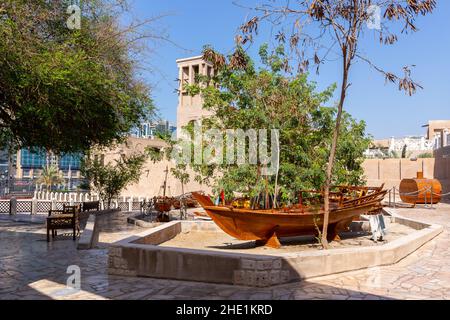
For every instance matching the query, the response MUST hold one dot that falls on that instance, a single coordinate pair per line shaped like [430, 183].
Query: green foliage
[66, 90]
[425, 155]
[108, 180]
[266, 98]
[392, 154]
[179, 172]
[155, 154]
[404, 151]
[50, 176]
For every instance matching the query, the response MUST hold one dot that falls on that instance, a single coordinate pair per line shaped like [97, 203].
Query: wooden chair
[67, 218]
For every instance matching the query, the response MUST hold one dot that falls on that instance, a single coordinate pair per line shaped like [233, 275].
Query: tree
[404, 149]
[108, 180]
[243, 96]
[68, 90]
[179, 172]
[320, 25]
[50, 176]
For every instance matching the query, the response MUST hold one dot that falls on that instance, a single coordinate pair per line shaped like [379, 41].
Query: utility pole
[70, 176]
[165, 181]
[9, 174]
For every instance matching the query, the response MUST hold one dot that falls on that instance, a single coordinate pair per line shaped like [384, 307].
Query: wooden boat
[419, 190]
[267, 226]
[344, 193]
[201, 215]
[163, 204]
[188, 201]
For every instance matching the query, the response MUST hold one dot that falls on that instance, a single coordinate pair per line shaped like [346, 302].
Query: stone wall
[376, 171]
[141, 256]
[152, 180]
[153, 174]
[392, 171]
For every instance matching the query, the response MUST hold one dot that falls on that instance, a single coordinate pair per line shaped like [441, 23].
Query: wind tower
[190, 108]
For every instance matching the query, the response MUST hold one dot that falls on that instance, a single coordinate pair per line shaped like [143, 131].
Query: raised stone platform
[143, 255]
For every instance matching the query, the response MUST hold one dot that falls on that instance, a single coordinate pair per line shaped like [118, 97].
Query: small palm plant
[50, 176]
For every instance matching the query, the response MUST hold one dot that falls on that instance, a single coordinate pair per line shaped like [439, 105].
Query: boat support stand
[271, 241]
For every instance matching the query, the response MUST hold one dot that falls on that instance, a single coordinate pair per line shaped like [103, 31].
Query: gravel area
[222, 242]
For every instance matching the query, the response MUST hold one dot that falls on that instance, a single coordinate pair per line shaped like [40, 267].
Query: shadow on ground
[31, 268]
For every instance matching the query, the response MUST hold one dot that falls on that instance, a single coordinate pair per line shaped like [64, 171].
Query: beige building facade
[438, 131]
[154, 173]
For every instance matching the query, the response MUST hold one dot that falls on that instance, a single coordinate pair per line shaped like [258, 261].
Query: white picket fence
[44, 201]
[81, 197]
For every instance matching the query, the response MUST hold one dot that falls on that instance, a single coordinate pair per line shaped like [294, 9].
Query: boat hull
[262, 225]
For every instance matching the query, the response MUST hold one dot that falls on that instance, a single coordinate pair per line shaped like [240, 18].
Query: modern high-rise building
[21, 169]
[150, 129]
[4, 163]
[190, 108]
[29, 163]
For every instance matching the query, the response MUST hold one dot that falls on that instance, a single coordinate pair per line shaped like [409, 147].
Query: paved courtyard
[31, 268]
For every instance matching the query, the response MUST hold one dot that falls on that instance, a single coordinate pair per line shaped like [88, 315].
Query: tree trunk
[47, 159]
[183, 208]
[332, 156]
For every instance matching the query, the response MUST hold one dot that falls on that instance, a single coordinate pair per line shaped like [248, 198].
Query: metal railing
[35, 206]
[429, 193]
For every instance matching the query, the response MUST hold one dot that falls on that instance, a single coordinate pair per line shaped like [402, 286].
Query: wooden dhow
[267, 226]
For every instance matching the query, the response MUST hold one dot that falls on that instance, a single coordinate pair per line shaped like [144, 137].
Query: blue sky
[388, 112]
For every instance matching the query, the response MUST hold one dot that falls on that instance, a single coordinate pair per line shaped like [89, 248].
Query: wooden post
[394, 197]
[34, 204]
[431, 204]
[13, 206]
[379, 171]
[390, 195]
[130, 204]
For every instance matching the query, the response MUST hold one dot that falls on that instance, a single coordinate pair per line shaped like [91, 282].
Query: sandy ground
[220, 241]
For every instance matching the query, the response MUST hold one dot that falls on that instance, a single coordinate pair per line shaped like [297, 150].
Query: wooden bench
[67, 218]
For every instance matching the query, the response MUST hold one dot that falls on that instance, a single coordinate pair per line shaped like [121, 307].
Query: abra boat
[267, 226]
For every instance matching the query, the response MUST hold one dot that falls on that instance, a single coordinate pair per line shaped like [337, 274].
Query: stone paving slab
[31, 268]
[27, 218]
